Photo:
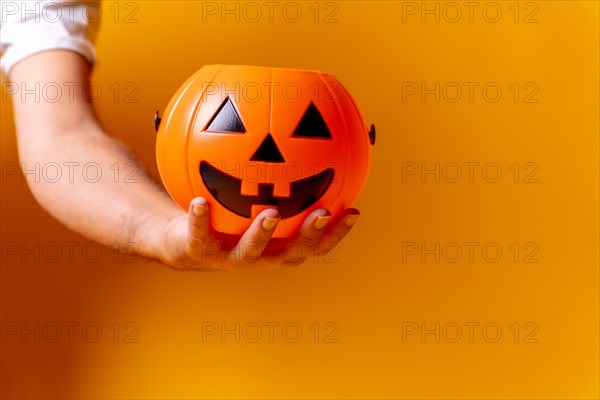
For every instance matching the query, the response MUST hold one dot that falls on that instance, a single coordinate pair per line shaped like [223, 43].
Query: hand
[188, 242]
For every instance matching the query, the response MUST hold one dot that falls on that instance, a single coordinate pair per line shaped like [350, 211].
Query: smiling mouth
[227, 190]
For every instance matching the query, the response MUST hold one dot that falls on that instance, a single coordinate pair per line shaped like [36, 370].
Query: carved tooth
[281, 189]
[249, 188]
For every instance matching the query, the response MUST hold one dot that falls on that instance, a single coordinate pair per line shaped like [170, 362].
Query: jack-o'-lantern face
[227, 189]
[250, 138]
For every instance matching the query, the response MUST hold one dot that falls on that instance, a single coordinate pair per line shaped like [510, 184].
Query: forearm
[99, 194]
[122, 204]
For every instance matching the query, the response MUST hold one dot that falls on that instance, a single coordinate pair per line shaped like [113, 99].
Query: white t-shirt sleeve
[28, 27]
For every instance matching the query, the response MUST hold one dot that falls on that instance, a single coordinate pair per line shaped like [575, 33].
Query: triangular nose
[268, 151]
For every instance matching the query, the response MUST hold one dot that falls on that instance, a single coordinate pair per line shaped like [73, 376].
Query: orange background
[365, 289]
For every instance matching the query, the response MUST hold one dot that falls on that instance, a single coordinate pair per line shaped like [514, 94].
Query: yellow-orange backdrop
[477, 89]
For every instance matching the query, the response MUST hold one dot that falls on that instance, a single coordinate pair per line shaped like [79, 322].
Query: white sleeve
[28, 27]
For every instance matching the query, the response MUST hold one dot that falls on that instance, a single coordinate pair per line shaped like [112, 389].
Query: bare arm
[66, 131]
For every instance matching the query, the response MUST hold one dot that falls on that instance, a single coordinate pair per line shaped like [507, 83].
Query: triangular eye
[312, 125]
[226, 119]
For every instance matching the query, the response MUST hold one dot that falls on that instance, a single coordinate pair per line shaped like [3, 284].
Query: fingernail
[351, 220]
[269, 223]
[321, 221]
[199, 209]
